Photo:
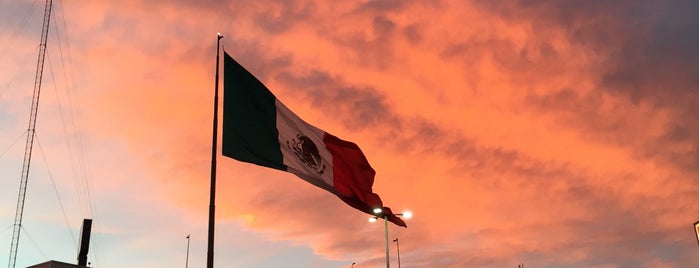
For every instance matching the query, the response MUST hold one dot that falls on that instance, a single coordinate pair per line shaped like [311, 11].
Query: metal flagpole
[212, 192]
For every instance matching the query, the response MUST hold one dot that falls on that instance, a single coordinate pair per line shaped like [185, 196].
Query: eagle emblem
[307, 152]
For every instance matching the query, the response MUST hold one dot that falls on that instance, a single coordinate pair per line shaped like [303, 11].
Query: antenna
[30, 136]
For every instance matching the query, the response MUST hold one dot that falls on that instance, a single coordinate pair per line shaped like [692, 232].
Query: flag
[259, 129]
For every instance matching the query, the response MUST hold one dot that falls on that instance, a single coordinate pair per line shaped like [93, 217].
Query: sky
[536, 132]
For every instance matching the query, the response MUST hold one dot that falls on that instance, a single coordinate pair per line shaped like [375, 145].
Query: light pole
[398, 249]
[379, 214]
[186, 264]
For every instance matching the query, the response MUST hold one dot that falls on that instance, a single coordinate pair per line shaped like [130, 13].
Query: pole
[385, 225]
[397, 248]
[186, 263]
[212, 192]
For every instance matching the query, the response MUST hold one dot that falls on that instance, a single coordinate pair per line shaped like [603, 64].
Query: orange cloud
[543, 132]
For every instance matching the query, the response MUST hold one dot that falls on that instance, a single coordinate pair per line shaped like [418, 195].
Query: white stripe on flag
[293, 132]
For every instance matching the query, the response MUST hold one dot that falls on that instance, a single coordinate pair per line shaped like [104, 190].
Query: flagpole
[212, 192]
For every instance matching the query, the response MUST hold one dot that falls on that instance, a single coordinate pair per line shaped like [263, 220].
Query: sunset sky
[539, 132]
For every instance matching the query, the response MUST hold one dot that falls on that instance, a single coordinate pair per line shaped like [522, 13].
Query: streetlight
[380, 214]
[398, 249]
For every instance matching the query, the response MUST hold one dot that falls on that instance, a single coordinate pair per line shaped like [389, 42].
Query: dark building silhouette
[56, 264]
[82, 251]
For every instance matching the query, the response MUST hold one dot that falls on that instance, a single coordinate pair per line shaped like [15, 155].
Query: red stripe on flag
[353, 177]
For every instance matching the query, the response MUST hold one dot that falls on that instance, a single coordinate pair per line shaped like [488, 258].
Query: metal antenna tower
[30, 135]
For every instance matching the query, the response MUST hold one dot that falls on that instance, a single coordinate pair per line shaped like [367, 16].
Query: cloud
[544, 132]
[528, 68]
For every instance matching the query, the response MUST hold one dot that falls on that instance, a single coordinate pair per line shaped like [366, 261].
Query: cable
[13, 144]
[65, 133]
[19, 29]
[41, 252]
[76, 146]
[55, 189]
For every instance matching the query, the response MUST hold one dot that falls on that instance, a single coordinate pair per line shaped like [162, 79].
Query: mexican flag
[259, 129]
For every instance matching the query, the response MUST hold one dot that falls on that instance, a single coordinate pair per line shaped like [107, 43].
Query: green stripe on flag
[249, 118]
